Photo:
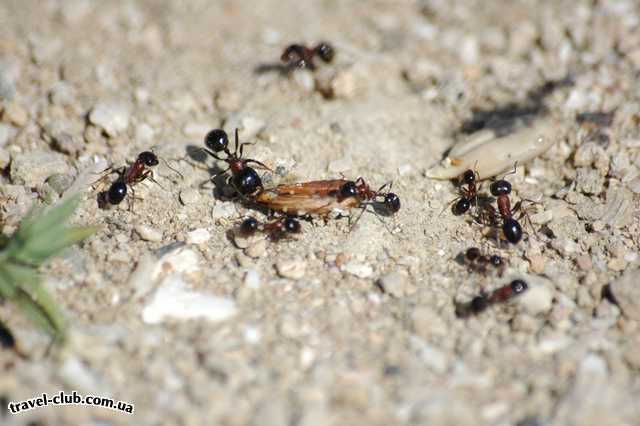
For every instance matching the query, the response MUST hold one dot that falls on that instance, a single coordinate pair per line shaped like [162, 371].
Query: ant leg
[265, 167]
[166, 163]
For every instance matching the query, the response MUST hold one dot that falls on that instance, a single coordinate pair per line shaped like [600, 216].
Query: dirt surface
[333, 326]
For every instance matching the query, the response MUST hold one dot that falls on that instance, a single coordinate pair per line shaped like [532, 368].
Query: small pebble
[252, 279]
[198, 236]
[189, 196]
[148, 233]
[617, 264]
[360, 270]
[542, 217]
[589, 181]
[536, 263]
[304, 79]
[62, 93]
[395, 284]
[15, 114]
[112, 117]
[173, 301]
[6, 133]
[537, 299]
[222, 210]
[256, 250]
[144, 132]
[565, 246]
[294, 269]
[584, 262]
[67, 143]
[60, 182]
[48, 163]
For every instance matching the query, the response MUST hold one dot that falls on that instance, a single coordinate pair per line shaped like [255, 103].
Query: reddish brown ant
[480, 303]
[479, 262]
[128, 176]
[300, 56]
[244, 179]
[501, 189]
[276, 230]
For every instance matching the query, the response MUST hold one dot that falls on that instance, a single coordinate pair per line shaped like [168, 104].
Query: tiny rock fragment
[360, 270]
[257, 249]
[395, 284]
[294, 269]
[536, 263]
[173, 301]
[252, 279]
[148, 233]
[198, 236]
[189, 196]
[537, 299]
[15, 114]
[48, 163]
[112, 117]
[589, 181]
[542, 217]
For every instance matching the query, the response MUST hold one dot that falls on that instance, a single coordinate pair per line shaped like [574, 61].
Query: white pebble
[112, 117]
[256, 250]
[198, 236]
[405, 169]
[189, 196]
[181, 260]
[360, 270]
[144, 132]
[294, 269]
[222, 210]
[252, 335]
[537, 299]
[395, 283]
[173, 300]
[252, 279]
[148, 233]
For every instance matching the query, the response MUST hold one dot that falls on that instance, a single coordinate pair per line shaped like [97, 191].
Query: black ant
[244, 179]
[300, 56]
[479, 262]
[480, 303]
[128, 176]
[275, 230]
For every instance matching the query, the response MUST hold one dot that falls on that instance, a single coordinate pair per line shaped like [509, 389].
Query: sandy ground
[331, 327]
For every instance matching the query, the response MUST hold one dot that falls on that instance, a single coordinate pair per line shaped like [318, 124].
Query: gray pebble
[67, 143]
[9, 72]
[626, 291]
[189, 196]
[48, 163]
[294, 269]
[60, 182]
[112, 117]
[62, 93]
[538, 299]
[589, 181]
[6, 133]
[148, 233]
[395, 284]
[618, 209]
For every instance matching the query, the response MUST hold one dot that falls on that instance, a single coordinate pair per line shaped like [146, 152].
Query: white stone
[252, 335]
[174, 301]
[148, 233]
[198, 236]
[112, 117]
[252, 279]
[537, 299]
[360, 270]
[182, 260]
[294, 269]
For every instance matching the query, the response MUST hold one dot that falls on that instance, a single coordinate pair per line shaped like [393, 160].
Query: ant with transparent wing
[128, 177]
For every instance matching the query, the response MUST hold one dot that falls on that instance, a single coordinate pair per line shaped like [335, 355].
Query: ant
[501, 189]
[128, 176]
[276, 230]
[244, 179]
[300, 56]
[500, 295]
[479, 262]
[469, 195]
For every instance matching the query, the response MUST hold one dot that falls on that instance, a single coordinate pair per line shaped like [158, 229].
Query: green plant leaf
[41, 235]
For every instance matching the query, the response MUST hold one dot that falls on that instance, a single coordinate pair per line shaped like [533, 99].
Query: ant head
[392, 202]
[500, 187]
[291, 225]
[479, 304]
[472, 253]
[148, 158]
[246, 181]
[217, 140]
[495, 260]
[325, 51]
[469, 177]
[462, 206]
[249, 226]
[349, 189]
[518, 286]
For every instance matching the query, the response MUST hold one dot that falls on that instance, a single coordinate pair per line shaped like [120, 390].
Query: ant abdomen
[116, 193]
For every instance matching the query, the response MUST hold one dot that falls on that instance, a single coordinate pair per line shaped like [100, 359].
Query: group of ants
[286, 203]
